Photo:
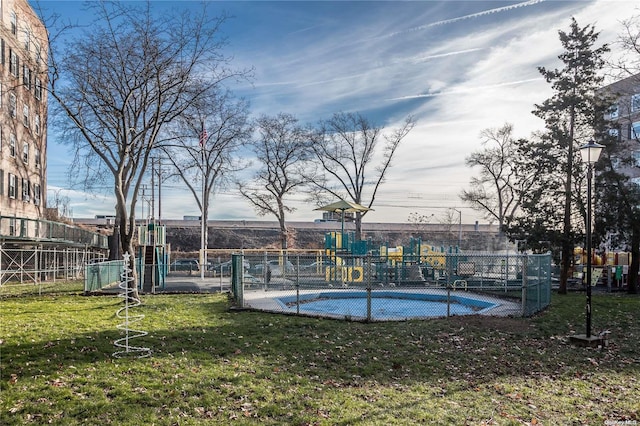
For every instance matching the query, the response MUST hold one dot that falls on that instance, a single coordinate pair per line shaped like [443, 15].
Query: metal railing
[374, 288]
[24, 229]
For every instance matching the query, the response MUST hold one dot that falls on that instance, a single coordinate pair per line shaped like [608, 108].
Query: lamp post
[590, 153]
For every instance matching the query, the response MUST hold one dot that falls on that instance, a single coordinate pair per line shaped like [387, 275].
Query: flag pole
[203, 219]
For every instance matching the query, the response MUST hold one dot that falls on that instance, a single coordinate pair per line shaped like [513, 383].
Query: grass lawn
[213, 366]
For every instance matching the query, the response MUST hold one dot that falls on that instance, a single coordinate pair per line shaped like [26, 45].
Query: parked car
[184, 265]
[318, 266]
[274, 266]
[225, 267]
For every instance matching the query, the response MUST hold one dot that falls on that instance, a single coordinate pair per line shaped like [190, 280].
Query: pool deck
[267, 300]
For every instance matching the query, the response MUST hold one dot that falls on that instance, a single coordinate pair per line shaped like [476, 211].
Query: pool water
[390, 305]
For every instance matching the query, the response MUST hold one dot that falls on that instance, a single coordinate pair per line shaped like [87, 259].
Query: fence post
[265, 272]
[368, 259]
[297, 283]
[237, 275]
[448, 300]
[524, 284]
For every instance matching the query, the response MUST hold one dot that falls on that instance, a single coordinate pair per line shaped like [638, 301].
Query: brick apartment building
[23, 114]
[626, 113]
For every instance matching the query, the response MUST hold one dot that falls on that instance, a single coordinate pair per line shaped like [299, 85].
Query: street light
[590, 153]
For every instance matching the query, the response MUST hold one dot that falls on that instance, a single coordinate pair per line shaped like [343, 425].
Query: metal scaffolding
[34, 251]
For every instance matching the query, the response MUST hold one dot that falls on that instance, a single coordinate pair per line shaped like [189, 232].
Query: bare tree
[419, 222]
[123, 80]
[283, 150]
[496, 192]
[59, 203]
[204, 144]
[628, 43]
[346, 148]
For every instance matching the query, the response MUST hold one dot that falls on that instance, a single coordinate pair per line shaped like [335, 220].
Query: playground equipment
[611, 267]
[153, 255]
[341, 250]
[416, 262]
[401, 263]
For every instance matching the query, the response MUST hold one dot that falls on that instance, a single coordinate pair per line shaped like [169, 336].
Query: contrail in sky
[473, 15]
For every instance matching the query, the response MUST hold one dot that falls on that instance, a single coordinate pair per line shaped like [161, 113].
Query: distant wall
[184, 235]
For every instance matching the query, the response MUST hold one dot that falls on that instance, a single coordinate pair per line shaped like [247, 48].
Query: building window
[37, 158]
[613, 112]
[25, 153]
[36, 194]
[12, 186]
[634, 130]
[2, 51]
[25, 115]
[0, 94]
[13, 105]
[13, 63]
[27, 39]
[635, 103]
[36, 124]
[636, 157]
[26, 190]
[12, 145]
[14, 23]
[1, 182]
[38, 54]
[38, 89]
[26, 76]
[12, 226]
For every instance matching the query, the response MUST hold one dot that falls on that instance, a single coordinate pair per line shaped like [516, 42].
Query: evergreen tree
[553, 206]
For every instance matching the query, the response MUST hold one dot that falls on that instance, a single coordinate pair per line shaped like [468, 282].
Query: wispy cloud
[463, 90]
[458, 67]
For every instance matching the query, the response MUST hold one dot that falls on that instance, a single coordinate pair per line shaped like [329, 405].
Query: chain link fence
[379, 288]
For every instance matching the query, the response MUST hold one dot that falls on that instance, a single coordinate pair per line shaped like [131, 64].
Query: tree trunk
[125, 226]
[114, 244]
[567, 258]
[632, 283]
[283, 234]
[358, 222]
[126, 239]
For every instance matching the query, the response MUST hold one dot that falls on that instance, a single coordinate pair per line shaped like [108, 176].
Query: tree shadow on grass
[200, 347]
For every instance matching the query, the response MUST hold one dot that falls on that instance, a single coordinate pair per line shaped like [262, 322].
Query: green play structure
[153, 257]
[416, 261]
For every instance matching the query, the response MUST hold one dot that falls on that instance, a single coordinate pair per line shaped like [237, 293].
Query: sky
[459, 67]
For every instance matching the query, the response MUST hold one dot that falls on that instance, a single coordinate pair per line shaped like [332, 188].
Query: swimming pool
[385, 305]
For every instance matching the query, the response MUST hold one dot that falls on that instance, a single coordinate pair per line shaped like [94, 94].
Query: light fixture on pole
[590, 153]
